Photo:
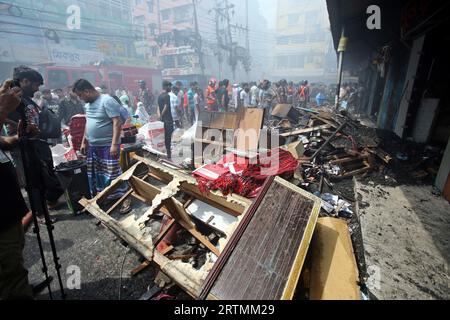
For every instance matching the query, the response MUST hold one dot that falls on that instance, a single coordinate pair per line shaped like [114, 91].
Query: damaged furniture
[269, 236]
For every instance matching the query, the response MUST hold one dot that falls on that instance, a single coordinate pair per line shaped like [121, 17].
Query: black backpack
[49, 124]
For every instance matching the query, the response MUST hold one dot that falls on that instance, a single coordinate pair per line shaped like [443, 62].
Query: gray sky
[268, 10]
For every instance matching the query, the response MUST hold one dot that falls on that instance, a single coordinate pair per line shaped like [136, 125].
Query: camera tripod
[35, 170]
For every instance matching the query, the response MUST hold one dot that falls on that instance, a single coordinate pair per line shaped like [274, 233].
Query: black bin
[74, 180]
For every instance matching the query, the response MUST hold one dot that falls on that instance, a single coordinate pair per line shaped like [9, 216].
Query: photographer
[13, 276]
[30, 80]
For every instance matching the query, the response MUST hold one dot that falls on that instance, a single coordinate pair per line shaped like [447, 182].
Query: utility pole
[246, 26]
[198, 39]
[219, 41]
[229, 41]
[247, 44]
[159, 17]
[226, 43]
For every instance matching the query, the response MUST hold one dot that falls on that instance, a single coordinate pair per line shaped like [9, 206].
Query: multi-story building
[104, 27]
[179, 45]
[145, 23]
[69, 39]
[303, 49]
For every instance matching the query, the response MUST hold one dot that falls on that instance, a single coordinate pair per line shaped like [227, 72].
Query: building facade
[304, 48]
[68, 39]
[146, 24]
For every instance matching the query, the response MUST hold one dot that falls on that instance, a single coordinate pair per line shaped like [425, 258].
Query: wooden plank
[144, 265]
[177, 211]
[355, 172]
[166, 250]
[383, 155]
[188, 202]
[247, 136]
[204, 240]
[334, 273]
[178, 275]
[119, 202]
[163, 233]
[142, 199]
[326, 121]
[350, 159]
[218, 120]
[204, 118]
[231, 121]
[144, 189]
[99, 198]
[306, 130]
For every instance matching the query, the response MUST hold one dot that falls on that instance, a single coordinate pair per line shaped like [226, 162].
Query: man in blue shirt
[191, 103]
[102, 137]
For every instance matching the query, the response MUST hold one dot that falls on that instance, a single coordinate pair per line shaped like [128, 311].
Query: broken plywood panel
[296, 149]
[266, 262]
[250, 124]
[281, 110]
[334, 273]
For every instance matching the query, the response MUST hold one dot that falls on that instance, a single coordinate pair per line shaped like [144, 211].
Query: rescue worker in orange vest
[303, 94]
[211, 98]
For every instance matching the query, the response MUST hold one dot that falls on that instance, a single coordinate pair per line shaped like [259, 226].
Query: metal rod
[340, 70]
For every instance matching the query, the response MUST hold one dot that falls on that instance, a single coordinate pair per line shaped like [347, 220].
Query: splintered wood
[135, 227]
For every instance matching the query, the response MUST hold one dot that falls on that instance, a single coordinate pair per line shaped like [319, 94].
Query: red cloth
[249, 176]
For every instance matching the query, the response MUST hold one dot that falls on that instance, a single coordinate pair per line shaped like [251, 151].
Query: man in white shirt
[174, 105]
[245, 95]
[254, 95]
[235, 94]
